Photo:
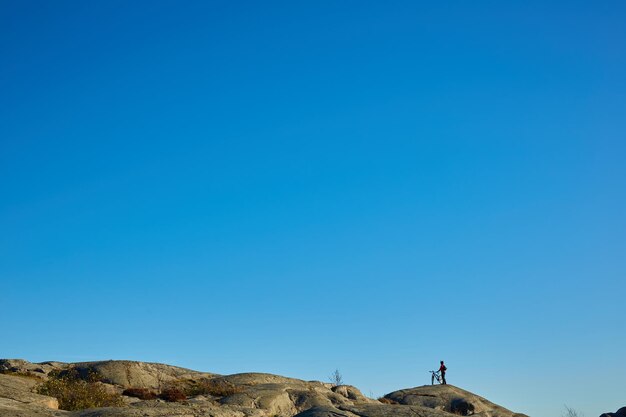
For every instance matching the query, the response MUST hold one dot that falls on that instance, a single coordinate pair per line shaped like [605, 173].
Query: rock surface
[450, 399]
[17, 398]
[21, 366]
[238, 395]
[619, 413]
[137, 374]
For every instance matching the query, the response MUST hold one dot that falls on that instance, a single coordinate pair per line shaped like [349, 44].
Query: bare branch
[570, 412]
[336, 378]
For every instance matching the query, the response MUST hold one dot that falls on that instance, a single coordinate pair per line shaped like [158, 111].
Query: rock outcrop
[450, 399]
[18, 400]
[20, 366]
[128, 374]
[238, 395]
[619, 413]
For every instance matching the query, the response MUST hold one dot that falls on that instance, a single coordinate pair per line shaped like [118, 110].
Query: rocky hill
[619, 413]
[139, 389]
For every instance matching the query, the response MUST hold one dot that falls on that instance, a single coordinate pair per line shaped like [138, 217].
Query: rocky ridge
[619, 413]
[238, 395]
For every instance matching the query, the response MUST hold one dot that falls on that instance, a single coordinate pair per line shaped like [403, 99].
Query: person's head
[441, 362]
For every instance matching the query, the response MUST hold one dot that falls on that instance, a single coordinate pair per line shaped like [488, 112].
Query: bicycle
[435, 376]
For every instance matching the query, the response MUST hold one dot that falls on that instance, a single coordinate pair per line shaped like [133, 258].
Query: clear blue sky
[294, 187]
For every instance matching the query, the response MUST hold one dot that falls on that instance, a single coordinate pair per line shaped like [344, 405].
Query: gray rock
[19, 388]
[350, 392]
[447, 398]
[238, 395]
[13, 408]
[129, 374]
[324, 411]
[619, 413]
[20, 366]
[18, 400]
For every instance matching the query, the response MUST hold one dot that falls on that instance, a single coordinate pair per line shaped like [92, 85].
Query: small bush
[214, 387]
[74, 393]
[141, 393]
[172, 395]
[336, 378]
[385, 400]
[570, 412]
[461, 407]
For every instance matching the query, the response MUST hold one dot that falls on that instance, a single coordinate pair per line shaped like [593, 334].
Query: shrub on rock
[141, 393]
[172, 395]
[75, 393]
[214, 387]
[461, 407]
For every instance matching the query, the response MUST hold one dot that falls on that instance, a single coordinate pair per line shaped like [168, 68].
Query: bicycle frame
[434, 375]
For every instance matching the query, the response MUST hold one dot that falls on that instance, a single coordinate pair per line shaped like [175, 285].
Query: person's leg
[443, 378]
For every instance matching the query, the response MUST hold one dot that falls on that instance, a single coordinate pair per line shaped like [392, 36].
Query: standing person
[443, 370]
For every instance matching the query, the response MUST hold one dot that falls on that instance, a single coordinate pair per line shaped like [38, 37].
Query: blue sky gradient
[294, 187]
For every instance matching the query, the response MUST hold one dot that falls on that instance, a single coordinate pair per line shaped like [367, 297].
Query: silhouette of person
[443, 370]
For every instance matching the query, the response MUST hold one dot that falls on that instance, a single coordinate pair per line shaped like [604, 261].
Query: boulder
[373, 410]
[350, 392]
[257, 378]
[130, 374]
[25, 368]
[18, 388]
[619, 413]
[324, 411]
[448, 398]
[13, 408]
[18, 400]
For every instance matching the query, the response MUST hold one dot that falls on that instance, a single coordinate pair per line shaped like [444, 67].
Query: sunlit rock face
[157, 390]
